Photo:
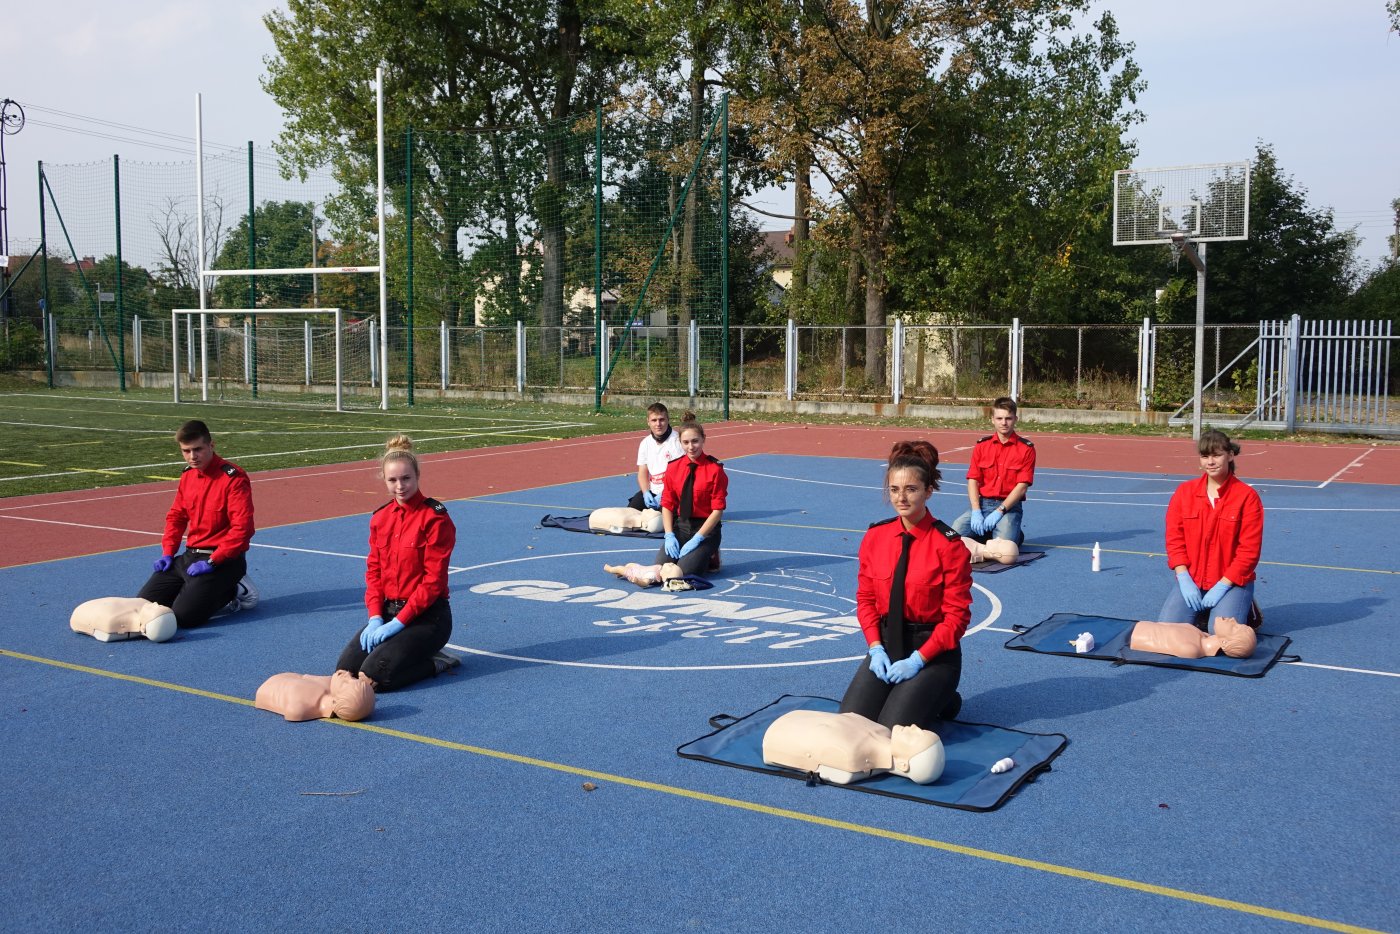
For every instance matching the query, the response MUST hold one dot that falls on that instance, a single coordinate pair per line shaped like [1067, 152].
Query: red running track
[64, 525]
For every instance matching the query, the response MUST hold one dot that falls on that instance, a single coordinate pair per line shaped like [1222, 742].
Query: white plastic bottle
[1094, 560]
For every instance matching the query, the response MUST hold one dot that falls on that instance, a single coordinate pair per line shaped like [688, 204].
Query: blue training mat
[967, 782]
[580, 524]
[996, 567]
[1055, 636]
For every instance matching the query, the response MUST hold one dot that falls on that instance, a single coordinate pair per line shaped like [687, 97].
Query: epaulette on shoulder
[884, 521]
[188, 467]
[985, 438]
[230, 469]
[947, 530]
[434, 505]
[1025, 441]
[385, 506]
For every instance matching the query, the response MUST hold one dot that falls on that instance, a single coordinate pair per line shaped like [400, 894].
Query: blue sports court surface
[537, 787]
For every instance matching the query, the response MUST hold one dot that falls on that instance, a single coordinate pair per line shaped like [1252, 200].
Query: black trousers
[637, 502]
[916, 702]
[698, 561]
[194, 599]
[406, 658]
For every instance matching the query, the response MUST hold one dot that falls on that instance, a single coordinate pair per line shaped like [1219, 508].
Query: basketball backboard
[1207, 203]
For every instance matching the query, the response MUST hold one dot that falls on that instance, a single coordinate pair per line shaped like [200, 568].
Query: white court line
[1354, 462]
[551, 661]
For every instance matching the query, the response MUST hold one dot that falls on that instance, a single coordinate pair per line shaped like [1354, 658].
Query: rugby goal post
[206, 273]
[204, 313]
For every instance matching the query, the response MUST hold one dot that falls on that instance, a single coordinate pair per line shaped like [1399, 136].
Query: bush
[22, 346]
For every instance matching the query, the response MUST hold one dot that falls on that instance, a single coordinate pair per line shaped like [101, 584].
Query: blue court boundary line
[739, 804]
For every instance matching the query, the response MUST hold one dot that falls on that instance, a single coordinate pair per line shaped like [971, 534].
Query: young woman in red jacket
[693, 497]
[1215, 527]
[913, 609]
[410, 544]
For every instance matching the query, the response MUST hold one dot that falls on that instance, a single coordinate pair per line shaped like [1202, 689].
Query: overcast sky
[1318, 82]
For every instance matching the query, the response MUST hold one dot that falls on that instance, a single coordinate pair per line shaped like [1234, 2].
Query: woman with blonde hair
[410, 545]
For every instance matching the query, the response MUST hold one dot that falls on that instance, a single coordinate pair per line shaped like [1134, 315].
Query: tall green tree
[454, 68]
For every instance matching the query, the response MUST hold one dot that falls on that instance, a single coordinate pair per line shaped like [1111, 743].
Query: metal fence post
[790, 360]
[1014, 362]
[693, 350]
[520, 357]
[306, 348]
[443, 352]
[1290, 409]
[247, 353]
[1144, 362]
[897, 362]
[373, 356]
[136, 341]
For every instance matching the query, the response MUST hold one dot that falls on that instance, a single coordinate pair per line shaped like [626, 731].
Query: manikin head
[157, 622]
[917, 753]
[351, 696]
[1232, 637]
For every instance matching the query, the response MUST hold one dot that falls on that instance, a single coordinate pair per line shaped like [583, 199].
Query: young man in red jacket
[213, 513]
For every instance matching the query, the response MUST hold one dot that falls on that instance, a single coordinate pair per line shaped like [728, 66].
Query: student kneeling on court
[999, 473]
[213, 513]
[410, 544]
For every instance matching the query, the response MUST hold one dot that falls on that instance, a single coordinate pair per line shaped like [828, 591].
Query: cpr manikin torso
[108, 619]
[846, 747]
[645, 575]
[1000, 550]
[617, 518]
[313, 697]
[1186, 641]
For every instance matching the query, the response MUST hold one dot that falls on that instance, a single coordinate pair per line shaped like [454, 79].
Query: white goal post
[206, 274]
[175, 314]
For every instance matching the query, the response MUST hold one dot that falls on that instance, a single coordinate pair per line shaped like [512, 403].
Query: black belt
[392, 607]
[199, 551]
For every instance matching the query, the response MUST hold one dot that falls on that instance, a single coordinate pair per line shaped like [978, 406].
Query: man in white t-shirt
[661, 446]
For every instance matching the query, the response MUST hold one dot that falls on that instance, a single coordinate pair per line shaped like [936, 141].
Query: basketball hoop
[1176, 239]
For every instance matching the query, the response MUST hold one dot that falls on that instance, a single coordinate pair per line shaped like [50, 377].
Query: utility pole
[11, 122]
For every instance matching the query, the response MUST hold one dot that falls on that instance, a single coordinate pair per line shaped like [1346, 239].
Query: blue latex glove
[651, 500]
[163, 563]
[990, 521]
[673, 546]
[975, 519]
[374, 623]
[906, 668]
[691, 545]
[1189, 591]
[1215, 594]
[198, 568]
[880, 662]
[390, 629]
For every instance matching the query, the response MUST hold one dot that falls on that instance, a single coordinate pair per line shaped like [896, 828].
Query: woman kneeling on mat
[1215, 527]
[693, 498]
[410, 543]
[913, 600]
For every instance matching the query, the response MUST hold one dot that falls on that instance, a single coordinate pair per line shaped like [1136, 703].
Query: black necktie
[893, 636]
[688, 494]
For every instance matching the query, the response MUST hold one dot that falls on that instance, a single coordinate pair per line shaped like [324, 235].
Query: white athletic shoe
[247, 597]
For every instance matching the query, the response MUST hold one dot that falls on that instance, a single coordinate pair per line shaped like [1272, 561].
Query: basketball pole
[1198, 260]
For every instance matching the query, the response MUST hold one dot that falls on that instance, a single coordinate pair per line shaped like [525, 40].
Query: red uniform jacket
[1219, 542]
[937, 583]
[215, 505]
[998, 467]
[711, 486]
[409, 548]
